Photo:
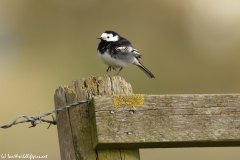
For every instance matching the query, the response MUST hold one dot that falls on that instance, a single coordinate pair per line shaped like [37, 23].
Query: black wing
[123, 45]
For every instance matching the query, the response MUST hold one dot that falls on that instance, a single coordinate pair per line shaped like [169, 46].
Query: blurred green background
[191, 46]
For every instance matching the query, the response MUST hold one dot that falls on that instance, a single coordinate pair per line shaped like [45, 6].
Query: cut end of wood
[98, 85]
[105, 85]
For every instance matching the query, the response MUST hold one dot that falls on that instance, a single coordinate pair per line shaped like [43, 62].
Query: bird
[118, 52]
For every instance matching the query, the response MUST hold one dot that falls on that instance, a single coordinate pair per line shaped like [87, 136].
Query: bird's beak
[99, 38]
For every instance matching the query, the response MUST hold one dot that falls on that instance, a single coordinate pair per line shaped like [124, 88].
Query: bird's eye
[107, 37]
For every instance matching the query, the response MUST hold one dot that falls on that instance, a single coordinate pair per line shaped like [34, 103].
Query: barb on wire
[33, 119]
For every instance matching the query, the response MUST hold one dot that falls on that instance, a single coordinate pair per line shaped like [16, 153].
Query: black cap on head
[113, 33]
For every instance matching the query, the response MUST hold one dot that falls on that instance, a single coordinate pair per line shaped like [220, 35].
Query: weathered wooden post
[74, 124]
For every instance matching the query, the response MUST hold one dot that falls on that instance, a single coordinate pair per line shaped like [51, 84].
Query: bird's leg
[109, 68]
[119, 71]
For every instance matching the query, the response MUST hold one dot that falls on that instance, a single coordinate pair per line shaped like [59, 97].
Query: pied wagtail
[117, 52]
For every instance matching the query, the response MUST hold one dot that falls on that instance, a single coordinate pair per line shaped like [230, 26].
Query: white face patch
[109, 37]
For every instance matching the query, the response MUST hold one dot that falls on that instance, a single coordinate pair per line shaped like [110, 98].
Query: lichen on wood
[134, 100]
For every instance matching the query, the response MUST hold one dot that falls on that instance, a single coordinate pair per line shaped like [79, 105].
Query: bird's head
[109, 36]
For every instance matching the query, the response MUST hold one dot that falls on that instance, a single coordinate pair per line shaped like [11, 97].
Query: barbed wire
[33, 119]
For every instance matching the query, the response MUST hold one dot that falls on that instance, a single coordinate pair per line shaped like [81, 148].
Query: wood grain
[167, 121]
[74, 124]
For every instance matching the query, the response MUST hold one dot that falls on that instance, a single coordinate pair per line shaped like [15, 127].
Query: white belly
[112, 62]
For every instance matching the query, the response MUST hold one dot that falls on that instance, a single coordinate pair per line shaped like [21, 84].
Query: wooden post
[74, 124]
[165, 121]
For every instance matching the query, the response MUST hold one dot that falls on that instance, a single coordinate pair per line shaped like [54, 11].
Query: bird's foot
[110, 68]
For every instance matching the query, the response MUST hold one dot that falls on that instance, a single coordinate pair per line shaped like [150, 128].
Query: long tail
[145, 70]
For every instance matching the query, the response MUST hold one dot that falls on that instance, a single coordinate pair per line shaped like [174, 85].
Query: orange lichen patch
[90, 82]
[84, 89]
[99, 80]
[134, 100]
[70, 89]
